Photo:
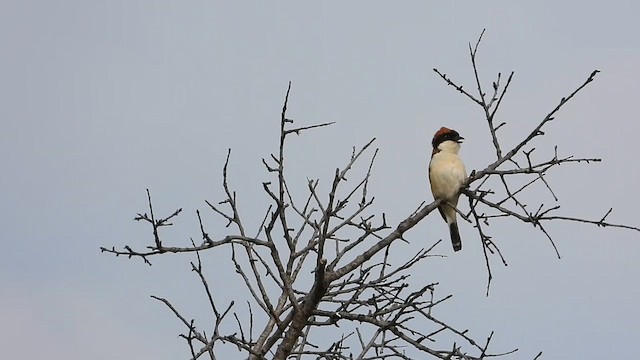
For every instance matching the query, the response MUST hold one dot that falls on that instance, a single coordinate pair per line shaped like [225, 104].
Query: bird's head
[446, 139]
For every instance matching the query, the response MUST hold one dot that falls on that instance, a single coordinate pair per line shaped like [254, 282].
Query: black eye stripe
[452, 135]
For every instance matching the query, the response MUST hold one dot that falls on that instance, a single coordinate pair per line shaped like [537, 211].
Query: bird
[446, 175]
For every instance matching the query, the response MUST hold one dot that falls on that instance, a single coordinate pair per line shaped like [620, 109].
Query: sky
[100, 100]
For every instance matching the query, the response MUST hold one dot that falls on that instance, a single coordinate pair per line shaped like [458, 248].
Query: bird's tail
[455, 236]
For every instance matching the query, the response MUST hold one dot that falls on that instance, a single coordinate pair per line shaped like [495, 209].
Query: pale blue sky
[102, 99]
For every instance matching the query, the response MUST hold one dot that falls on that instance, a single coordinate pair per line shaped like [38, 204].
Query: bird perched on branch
[446, 175]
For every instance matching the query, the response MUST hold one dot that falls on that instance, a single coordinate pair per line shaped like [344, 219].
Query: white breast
[446, 173]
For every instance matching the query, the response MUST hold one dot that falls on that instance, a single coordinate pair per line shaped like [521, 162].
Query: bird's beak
[460, 139]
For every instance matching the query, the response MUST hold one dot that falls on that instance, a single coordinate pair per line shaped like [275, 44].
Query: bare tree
[317, 269]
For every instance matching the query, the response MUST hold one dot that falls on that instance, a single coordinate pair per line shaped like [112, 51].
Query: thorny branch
[506, 202]
[336, 240]
[318, 274]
